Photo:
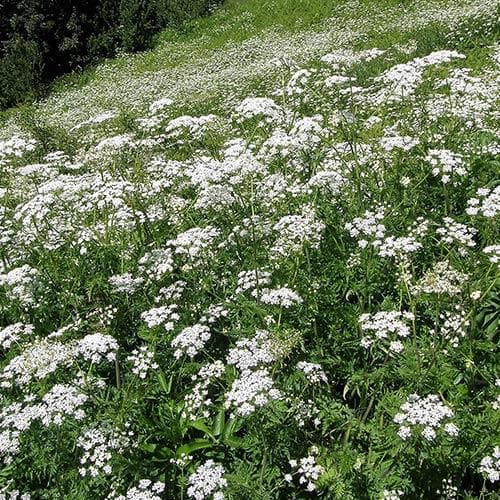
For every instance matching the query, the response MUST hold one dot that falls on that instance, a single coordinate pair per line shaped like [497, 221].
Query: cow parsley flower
[453, 232]
[197, 403]
[313, 371]
[125, 283]
[258, 351]
[490, 465]
[442, 278]
[142, 360]
[425, 415]
[253, 390]
[145, 490]
[493, 253]
[208, 479]
[14, 333]
[283, 297]
[486, 202]
[191, 340]
[307, 470]
[165, 316]
[387, 328]
[446, 164]
[98, 446]
[97, 347]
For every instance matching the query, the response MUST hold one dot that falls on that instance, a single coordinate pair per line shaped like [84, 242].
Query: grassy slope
[235, 48]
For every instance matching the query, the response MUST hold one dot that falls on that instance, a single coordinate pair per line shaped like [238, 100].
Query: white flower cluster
[304, 411]
[213, 313]
[486, 202]
[298, 81]
[20, 283]
[424, 415]
[172, 292]
[283, 297]
[125, 283]
[447, 491]
[98, 446]
[454, 326]
[103, 315]
[194, 126]
[16, 146]
[45, 356]
[142, 360]
[313, 371]
[61, 402]
[490, 465]
[198, 397]
[96, 120]
[386, 327]
[399, 247]
[455, 232]
[195, 244]
[14, 495]
[307, 470]
[165, 316]
[248, 354]
[160, 105]
[36, 362]
[442, 278]
[14, 333]
[254, 389]
[396, 141]
[331, 175]
[9, 445]
[263, 108]
[446, 164]
[155, 263]
[145, 490]
[208, 479]
[191, 340]
[295, 231]
[493, 253]
[401, 81]
[98, 347]
[368, 228]
[253, 280]
[392, 494]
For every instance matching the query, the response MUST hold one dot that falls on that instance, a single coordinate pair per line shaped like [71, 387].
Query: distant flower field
[290, 294]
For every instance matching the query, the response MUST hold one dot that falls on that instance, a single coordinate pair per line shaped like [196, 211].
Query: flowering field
[290, 290]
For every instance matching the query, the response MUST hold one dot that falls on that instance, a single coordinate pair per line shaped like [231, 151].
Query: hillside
[259, 261]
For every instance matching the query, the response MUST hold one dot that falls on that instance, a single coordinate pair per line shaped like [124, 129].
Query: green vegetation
[259, 261]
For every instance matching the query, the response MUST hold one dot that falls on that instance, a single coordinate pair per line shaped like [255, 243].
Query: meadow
[259, 261]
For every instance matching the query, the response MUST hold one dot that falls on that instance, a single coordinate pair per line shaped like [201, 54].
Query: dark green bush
[42, 39]
[20, 70]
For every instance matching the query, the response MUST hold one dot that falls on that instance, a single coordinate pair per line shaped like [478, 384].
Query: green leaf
[219, 422]
[201, 426]
[235, 442]
[166, 386]
[195, 444]
[149, 447]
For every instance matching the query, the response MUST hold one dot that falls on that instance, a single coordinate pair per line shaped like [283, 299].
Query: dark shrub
[46, 38]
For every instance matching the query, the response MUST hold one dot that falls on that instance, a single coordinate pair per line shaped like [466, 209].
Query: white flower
[208, 479]
[191, 340]
[425, 414]
[490, 465]
[284, 297]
